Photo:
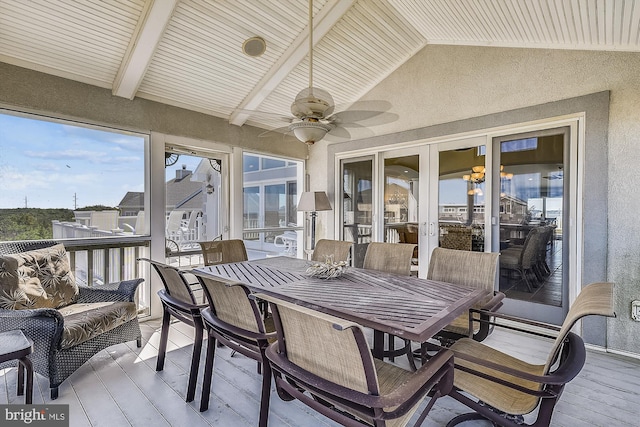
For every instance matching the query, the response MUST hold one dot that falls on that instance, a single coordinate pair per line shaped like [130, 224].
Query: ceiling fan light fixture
[309, 131]
[312, 102]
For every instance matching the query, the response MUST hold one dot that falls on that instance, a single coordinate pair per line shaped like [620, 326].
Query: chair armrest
[486, 316]
[40, 324]
[117, 291]
[494, 303]
[572, 363]
[425, 378]
[178, 304]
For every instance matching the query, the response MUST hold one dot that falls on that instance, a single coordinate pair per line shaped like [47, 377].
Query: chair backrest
[223, 251]
[337, 249]
[230, 303]
[174, 222]
[476, 269]
[530, 248]
[104, 220]
[140, 226]
[594, 299]
[457, 237]
[336, 351]
[389, 257]
[545, 239]
[173, 282]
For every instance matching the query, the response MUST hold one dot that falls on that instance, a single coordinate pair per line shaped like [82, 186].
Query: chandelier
[477, 176]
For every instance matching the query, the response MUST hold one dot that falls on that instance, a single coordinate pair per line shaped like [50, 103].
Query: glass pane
[274, 205]
[270, 199]
[251, 214]
[401, 178]
[531, 213]
[268, 163]
[461, 198]
[357, 179]
[250, 163]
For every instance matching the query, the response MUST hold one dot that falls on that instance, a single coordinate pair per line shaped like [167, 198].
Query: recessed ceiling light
[254, 46]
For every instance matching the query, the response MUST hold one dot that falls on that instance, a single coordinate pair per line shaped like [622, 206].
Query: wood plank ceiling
[188, 53]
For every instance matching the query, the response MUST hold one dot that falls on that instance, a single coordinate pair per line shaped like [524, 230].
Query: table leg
[25, 364]
[378, 345]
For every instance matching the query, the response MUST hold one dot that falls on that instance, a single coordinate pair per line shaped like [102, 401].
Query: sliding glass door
[531, 204]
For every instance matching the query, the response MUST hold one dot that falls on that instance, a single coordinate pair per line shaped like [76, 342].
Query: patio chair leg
[164, 337]
[195, 364]
[265, 393]
[208, 373]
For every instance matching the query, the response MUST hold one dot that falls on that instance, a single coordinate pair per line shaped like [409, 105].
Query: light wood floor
[119, 387]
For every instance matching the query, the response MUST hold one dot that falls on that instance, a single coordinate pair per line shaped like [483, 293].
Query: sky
[45, 164]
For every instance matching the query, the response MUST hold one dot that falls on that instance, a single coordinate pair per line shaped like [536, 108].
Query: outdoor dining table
[404, 306]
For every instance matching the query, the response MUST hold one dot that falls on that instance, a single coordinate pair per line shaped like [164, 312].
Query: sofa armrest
[116, 291]
[42, 325]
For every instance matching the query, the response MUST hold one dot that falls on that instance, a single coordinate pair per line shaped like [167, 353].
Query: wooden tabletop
[404, 306]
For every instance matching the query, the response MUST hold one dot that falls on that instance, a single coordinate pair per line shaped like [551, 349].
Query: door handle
[423, 228]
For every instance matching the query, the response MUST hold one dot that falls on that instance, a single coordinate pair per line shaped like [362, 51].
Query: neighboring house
[131, 203]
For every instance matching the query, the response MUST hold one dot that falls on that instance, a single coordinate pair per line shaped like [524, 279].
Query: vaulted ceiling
[188, 53]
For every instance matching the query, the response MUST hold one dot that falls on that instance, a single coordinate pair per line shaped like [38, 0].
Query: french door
[489, 193]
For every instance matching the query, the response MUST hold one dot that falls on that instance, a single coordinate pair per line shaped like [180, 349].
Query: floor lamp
[314, 201]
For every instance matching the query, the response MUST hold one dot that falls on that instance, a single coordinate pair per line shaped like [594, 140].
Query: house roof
[189, 53]
[182, 193]
[132, 200]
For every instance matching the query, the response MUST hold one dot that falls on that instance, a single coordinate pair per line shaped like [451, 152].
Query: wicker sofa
[67, 323]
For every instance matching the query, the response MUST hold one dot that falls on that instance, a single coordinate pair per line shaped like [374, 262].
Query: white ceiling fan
[313, 110]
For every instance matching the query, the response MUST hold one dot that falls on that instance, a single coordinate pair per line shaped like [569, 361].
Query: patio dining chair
[524, 260]
[338, 250]
[475, 269]
[503, 388]
[392, 258]
[332, 371]
[223, 251]
[178, 300]
[234, 319]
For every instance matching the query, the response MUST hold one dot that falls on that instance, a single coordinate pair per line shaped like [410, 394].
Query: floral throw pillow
[37, 279]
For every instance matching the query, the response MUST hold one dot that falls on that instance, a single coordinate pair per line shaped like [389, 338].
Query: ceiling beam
[325, 19]
[154, 19]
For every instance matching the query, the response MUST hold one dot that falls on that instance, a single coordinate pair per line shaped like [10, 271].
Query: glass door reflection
[356, 207]
[461, 198]
[401, 195]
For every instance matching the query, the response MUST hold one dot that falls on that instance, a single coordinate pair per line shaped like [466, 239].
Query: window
[64, 180]
[270, 189]
[76, 183]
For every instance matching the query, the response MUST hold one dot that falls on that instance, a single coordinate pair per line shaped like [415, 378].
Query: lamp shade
[313, 201]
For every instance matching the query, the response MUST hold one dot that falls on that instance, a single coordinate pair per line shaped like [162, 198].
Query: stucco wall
[448, 84]
[32, 91]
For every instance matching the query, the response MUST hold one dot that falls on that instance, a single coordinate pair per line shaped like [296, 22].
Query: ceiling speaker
[254, 46]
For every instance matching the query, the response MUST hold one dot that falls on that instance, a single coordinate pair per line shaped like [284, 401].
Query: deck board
[120, 387]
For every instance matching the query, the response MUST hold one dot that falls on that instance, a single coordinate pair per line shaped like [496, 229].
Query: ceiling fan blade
[370, 118]
[271, 132]
[374, 105]
[279, 134]
[339, 132]
[356, 131]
